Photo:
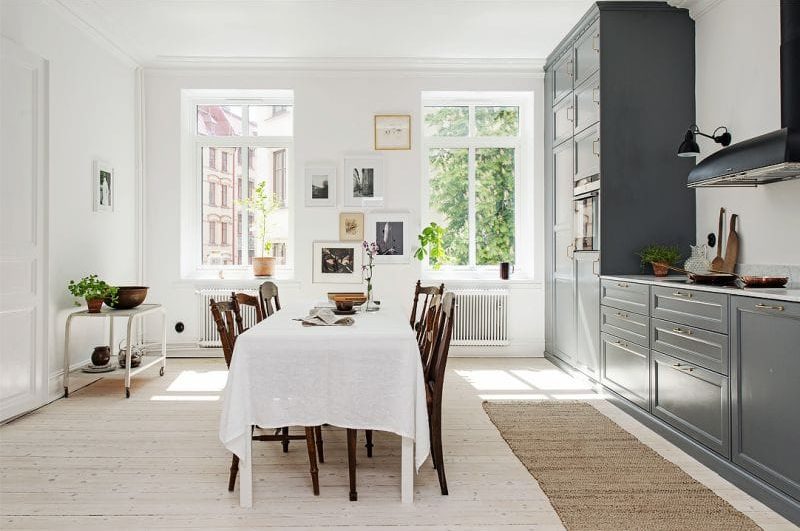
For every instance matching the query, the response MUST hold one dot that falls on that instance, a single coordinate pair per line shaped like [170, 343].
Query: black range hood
[774, 156]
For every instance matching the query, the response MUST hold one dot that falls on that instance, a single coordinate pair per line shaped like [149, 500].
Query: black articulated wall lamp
[689, 147]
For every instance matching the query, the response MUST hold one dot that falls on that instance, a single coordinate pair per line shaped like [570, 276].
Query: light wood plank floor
[98, 461]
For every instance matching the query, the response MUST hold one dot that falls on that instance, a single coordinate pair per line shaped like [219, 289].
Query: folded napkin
[325, 317]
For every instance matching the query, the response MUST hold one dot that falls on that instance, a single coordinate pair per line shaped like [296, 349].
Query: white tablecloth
[368, 375]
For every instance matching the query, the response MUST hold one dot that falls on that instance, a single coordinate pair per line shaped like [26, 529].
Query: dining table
[364, 376]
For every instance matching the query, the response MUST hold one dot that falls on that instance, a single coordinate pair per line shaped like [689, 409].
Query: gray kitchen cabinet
[765, 372]
[701, 309]
[587, 312]
[691, 399]
[563, 118]
[587, 104]
[625, 325]
[562, 76]
[625, 369]
[695, 345]
[630, 296]
[587, 53]
[565, 339]
[587, 153]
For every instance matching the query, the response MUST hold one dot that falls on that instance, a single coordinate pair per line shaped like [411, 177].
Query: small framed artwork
[391, 232]
[364, 180]
[337, 262]
[351, 226]
[103, 186]
[320, 186]
[392, 131]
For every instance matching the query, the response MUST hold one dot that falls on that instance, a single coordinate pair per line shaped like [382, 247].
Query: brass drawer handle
[682, 331]
[768, 307]
[596, 91]
[569, 69]
[571, 116]
[682, 294]
[596, 42]
[682, 367]
[595, 142]
[623, 315]
[622, 284]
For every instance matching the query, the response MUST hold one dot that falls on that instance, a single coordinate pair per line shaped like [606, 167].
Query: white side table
[132, 315]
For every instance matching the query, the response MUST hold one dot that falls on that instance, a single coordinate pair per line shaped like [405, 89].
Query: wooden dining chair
[224, 313]
[268, 296]
[423, 297]
[244, 299]
[434, 382]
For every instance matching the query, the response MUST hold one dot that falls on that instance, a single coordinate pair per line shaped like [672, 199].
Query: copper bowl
[764, 282]
[348, 296]
[128, 297]
[344, 306]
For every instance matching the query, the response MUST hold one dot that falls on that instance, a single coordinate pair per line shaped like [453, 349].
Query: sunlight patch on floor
[194, 381]
[519, 396]
[493, 380]
[185, 398]
[551, 379]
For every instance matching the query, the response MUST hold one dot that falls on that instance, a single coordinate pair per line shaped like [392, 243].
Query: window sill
[236, 278]
[476, 278]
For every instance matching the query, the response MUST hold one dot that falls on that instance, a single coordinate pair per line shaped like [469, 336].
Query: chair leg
[351, 462]
[430, 437]
[318, 438]
[369, 442]
[312, 459]
[234, 471]
[436, 424]
[285, 441]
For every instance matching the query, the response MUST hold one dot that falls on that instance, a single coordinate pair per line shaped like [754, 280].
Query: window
[247, 136]
[474, 146]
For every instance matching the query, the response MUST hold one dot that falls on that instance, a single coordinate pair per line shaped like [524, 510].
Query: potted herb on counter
[660, 257]
[94, 291]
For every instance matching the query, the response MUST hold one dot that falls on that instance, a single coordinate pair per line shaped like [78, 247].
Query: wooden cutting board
[717, 263]
[732, 250]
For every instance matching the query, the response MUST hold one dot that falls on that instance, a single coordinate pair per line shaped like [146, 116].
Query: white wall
[91, 116]
[738, 86]
[333, 117]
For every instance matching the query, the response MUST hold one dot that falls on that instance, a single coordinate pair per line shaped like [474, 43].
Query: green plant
[660, 254]
[262, 204]
[90, 288]
[430, 243]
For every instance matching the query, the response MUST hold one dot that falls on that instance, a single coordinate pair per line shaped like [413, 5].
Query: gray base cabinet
[691, 399]
[625, 369]
[587, 306]
[765, 369]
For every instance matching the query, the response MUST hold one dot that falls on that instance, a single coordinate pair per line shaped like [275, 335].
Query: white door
[23, 245]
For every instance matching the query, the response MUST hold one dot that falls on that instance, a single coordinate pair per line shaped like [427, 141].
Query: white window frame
[192, 266]
[523, 175]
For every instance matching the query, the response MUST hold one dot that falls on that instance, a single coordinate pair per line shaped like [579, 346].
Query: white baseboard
[520, 349]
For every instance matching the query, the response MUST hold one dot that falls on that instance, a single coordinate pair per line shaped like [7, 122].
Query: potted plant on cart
[660, 257]
[263, 205]
[94, 290]
[431, 243]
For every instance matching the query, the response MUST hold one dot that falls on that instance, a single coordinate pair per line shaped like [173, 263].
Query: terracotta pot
[264, 266]
[101, 356]
[660, 270]
[94, 305]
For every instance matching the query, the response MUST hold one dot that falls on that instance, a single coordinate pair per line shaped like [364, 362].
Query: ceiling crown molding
[697, 8]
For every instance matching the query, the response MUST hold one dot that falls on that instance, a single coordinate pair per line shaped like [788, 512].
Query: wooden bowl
[344, 306]
[128, 297]
[764, 282]
[355, 297]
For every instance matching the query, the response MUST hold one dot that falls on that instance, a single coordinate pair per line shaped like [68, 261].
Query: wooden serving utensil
[718, 262]
[732, 250]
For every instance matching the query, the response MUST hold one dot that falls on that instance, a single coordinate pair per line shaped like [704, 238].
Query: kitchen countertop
[791, 293]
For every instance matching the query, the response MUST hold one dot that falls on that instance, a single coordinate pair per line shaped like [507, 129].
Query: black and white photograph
[337, 262]
[364, 181]
[391, 232]
[103, 179]
[320, 186]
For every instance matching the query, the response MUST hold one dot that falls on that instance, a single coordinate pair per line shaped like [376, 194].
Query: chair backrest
[428, 329]
[224, 313]
[247, 300]
[443, 333]
[268, 295]
[420, 308]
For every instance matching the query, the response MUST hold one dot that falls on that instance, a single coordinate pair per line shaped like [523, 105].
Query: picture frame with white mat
[391, 231]
[364, 181]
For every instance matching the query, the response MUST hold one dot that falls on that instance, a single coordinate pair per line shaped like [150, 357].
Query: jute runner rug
[599, 476]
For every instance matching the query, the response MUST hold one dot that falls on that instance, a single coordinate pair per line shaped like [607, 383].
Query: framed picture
[103, 186]
[363, 181]
[351, 226]
[392, 232]
[392, 131]
[337, 262]
[320, 186]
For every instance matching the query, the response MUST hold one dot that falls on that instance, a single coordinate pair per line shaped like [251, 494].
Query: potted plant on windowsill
[430, 243]
[94, 290]
[660, 257]
[263, 205]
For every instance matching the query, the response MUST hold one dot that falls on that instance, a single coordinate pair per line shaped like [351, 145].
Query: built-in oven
[586, 215]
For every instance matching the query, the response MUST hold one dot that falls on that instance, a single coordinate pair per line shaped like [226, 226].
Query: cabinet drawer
[587, 53]
[587, 153]
[692, 400]
[695, 345]
[587, 104]
[625, 325]
[625, 295]
[695, 308]
[563, 118]
[624, 369]
[562, 76]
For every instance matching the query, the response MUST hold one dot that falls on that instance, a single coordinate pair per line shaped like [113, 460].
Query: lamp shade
[689, 147]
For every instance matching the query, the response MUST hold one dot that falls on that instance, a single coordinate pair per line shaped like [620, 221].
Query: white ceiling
[163, 33]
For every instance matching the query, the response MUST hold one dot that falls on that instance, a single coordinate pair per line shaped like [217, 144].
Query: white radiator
[209, 337]
[481, 317]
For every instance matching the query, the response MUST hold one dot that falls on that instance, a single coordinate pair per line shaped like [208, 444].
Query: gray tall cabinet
[619, 96]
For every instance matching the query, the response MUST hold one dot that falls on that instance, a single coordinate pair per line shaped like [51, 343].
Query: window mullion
[245, 241]
[471, 210]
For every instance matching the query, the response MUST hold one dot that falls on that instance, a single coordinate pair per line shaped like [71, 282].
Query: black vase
[101, 356]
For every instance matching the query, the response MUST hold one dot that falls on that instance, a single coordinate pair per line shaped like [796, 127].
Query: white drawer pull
[682, 294]
[768, 307]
